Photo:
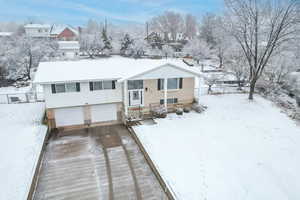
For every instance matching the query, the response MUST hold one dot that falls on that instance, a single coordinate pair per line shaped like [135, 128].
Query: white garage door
[102, 113]
[69, 116]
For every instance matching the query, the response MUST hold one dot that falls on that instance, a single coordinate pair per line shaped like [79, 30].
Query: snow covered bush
[179, 111]
[160, 112]
[198, 108]
[186, 110]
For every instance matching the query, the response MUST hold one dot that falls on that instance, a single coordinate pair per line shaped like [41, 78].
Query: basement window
[169, 101]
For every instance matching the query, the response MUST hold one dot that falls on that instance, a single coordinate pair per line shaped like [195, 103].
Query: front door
[136, 97]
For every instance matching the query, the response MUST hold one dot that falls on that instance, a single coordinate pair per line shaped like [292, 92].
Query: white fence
[220, 89]
[28, 97]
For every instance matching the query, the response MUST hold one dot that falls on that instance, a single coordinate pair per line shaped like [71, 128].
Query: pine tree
[106, 40]
[126, 43]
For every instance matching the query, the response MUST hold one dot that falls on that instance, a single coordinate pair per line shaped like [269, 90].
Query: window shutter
[53, 88]
[129, 98]
[158, 84]
[91, 86]
[78, 87]
[162, 102]
[180, 83]
[113, 85]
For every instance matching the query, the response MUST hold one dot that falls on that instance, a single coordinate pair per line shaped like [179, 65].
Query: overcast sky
[77, 12]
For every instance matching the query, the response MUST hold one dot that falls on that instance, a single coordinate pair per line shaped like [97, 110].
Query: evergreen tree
[126, 44]
[106, 41]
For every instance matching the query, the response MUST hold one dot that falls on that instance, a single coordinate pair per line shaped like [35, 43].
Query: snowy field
[21, 139]
[235, 150]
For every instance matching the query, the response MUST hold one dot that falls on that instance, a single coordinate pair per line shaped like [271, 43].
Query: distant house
[64, 32]
[38, 30]
[68, 49]
[6, 34]
[110, 91]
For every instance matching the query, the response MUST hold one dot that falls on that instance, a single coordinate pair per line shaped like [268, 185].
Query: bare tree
[207, 28]
[170, 22]
[236, 64]
[198, 49]
[190, 26]
[261, 27]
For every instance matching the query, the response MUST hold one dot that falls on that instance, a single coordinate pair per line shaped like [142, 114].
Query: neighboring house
[6, 34]
[64, 32]
[68, 49]
[38, 30]
[111, 90]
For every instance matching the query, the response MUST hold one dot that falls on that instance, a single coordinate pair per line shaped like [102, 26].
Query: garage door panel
[103, 113]
[69, 116]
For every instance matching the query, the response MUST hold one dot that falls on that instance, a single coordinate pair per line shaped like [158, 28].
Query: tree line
[255, 40]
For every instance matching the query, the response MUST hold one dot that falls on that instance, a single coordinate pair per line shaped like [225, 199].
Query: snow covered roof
[37, 26]
[57, 29]
[68, 45]
[5, 34]
[116, 67]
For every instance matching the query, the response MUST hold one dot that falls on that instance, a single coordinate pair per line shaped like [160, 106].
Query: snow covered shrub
[160, 112]
[198, 108]
[179, 111]
[186, 110]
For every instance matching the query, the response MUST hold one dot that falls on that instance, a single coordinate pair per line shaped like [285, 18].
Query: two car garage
[82, 114]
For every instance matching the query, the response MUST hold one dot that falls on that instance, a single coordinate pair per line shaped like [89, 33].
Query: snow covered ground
[21, 139]
[235, 150]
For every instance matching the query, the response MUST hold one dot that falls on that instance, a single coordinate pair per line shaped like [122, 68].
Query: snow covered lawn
[21, 139]
[235, 150]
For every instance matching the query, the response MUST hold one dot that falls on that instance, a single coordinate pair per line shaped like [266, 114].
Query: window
[71, 87]
[169, 101]
[135, 85]
[107, 85]
[173, 84]
[102, 85]
[65, 87]
[60, 88]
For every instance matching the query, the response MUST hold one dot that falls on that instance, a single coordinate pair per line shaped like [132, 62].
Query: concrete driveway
[98, 163]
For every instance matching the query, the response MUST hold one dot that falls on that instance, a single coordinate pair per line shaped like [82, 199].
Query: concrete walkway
[100, 163]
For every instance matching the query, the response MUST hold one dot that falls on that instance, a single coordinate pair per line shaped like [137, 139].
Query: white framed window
[173, 83]
[60, 88]
[102, 85]
[71, 87]
[65, 87]
[135, 85]
[169, 101]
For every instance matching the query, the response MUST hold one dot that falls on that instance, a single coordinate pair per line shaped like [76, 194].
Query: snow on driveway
[236, 150]
[21, 140]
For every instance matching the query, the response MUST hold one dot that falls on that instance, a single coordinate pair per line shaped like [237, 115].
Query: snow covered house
[6, 34]
[68, 49]
[64, 32]
[111, 90]
[38, 30]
